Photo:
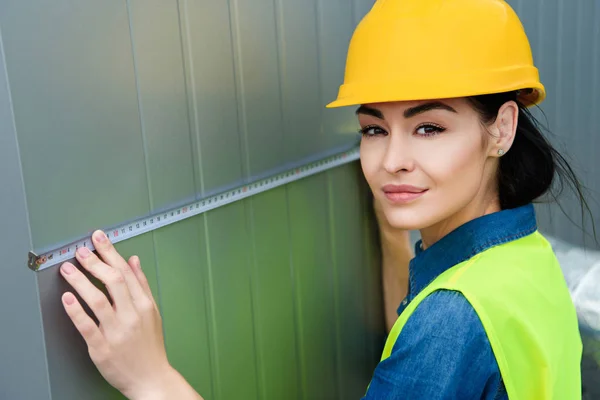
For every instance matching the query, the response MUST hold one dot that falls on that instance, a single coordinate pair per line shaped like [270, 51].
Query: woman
[449, 148]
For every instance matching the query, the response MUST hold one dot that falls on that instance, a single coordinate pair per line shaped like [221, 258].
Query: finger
[111, 277]
[83, 323]
[93, 297]
[111, 256]
[136, 267]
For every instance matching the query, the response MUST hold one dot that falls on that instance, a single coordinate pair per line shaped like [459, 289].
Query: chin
[407, 218]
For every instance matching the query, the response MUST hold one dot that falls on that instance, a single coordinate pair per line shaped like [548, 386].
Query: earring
[500, 152]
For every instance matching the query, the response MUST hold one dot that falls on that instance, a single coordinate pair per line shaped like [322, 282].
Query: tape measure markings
[158, 220]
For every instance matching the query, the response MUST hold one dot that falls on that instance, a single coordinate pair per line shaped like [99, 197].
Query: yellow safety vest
[521, 297]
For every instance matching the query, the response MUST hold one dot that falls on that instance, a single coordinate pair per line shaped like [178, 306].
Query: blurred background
[115, 109]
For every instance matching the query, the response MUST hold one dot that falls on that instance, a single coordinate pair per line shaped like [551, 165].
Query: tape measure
[129, 230]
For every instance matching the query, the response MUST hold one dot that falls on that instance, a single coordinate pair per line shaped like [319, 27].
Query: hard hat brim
[524, 78]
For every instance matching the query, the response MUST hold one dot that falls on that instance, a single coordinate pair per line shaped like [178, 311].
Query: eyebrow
[434, 105]
[409, 113]
[370, 111]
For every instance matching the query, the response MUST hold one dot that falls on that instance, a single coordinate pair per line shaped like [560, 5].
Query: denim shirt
[443, 351]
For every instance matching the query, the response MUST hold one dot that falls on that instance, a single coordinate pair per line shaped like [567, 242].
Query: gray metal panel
[335, 26]
[165, 141]
[256, 55]
[76, 111]
[301, 99]
[23, 370]
[212, 92]
[565, 40]
[360, 8]
[72, 373]
[157, 48]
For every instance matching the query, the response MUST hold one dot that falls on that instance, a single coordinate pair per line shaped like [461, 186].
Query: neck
[477, 208]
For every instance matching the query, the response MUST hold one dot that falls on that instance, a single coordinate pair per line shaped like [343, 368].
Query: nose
[397, 155]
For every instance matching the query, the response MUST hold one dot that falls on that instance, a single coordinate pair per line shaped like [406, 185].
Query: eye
[429, 130]
[371, 130]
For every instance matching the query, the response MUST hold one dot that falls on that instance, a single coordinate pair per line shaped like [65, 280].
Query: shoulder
[447, 313]
[441, 352]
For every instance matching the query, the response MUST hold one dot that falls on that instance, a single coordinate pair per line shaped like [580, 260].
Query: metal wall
[113, 109]
[122, 108]
[565, 38]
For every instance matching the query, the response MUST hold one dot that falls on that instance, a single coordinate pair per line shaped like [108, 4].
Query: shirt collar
[466, 241]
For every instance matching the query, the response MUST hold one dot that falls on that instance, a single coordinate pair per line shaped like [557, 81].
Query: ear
[504, 129]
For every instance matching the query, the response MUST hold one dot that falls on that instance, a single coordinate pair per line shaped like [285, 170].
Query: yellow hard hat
[431, 49]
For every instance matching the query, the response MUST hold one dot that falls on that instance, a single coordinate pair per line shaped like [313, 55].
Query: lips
[403, 193]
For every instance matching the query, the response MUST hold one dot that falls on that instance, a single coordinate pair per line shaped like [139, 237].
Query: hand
[127, 346]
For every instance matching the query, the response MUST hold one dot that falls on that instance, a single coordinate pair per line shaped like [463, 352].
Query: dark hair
[529, 170]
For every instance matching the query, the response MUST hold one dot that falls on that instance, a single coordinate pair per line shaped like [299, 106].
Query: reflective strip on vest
[521, 297]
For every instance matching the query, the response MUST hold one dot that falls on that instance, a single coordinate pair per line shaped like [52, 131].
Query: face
[431, 164]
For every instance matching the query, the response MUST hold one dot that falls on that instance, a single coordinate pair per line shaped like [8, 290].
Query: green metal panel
[232, 334]
[313, 280]
[355, 365]
[181, 258]
[274, 310]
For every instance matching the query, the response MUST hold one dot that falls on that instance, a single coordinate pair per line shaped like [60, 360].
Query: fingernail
[69, 299]
[100, 237]
[67, 269]
[83, 252]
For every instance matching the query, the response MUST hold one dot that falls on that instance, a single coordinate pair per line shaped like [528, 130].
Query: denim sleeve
[442, 353]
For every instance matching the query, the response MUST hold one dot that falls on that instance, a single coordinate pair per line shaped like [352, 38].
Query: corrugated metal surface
[22, 348]
[565, 37]
[127, 107]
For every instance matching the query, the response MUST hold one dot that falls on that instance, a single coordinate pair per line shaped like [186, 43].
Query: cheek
[371, 154]
[453, 164]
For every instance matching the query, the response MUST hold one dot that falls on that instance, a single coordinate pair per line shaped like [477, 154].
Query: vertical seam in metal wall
[557, 99]
[139, 101]
[238, 86]
[296, 303]
[213, 322]
[27, 218]
[280, 48]
[277, 9]
[540, 54]
[195, 126]
[317, 6]
[255, 311]
[520, 8]
[187, 97]
[335, 283]
[539, 48]
[576, 101]
[145, 149]
[369, 345]
[238, 80]
[318, 21]
[201, 225]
